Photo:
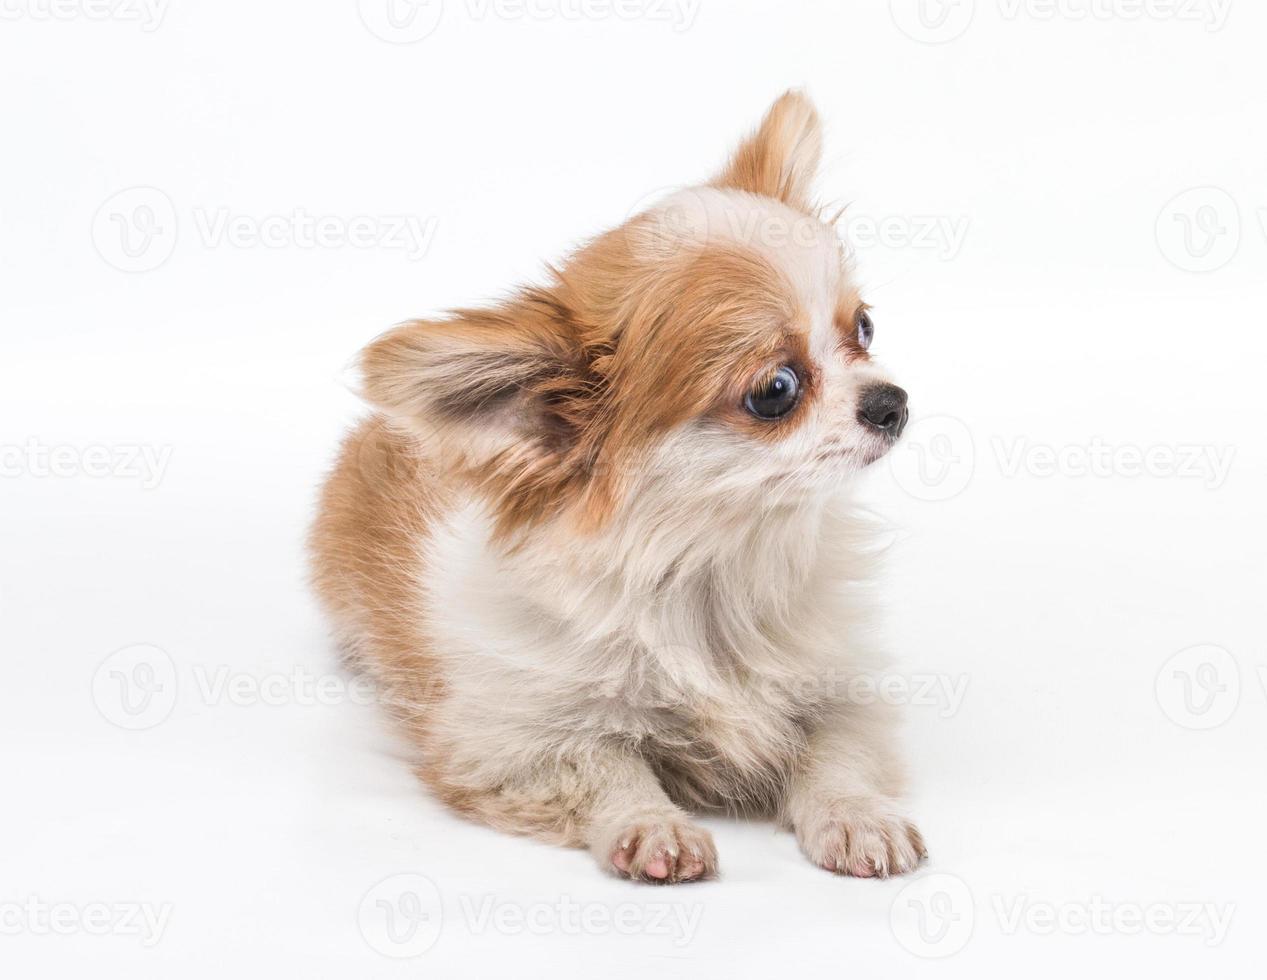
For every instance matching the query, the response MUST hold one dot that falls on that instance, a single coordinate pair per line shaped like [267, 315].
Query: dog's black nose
[883, 407]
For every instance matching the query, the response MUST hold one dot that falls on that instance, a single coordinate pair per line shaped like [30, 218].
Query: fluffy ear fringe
[501, 395]
[781, 159]
[451, 371]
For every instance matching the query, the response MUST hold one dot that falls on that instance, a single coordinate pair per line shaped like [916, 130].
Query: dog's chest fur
[714, 691]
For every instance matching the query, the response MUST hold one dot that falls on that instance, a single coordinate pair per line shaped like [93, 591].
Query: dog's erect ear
[780, 159]
[480, 381]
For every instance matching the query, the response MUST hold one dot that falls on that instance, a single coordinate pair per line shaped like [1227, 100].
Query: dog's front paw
[660, 848]
[865, 837]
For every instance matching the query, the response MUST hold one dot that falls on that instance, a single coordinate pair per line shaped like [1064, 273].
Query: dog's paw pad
[664, 850]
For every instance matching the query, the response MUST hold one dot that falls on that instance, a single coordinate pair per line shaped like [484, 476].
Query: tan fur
[594, 589]
[781, 159]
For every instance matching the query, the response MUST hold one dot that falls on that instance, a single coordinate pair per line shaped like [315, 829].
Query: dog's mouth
[871, 449]
[877, 449]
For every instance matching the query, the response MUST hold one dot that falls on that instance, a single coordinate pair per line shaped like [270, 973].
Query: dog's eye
[865, 328]
[776, 396]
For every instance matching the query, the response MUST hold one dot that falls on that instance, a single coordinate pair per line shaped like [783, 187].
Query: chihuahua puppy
[595, 546]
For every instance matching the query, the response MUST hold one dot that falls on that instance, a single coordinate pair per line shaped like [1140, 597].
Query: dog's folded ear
[481, 381]
[780, 160]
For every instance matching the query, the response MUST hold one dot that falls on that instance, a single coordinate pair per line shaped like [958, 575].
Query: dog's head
[712, 353]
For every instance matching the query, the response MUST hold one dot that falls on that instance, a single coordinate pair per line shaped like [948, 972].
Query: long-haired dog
[595, 545]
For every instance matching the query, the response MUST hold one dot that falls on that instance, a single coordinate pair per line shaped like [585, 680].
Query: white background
[1071, 318]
